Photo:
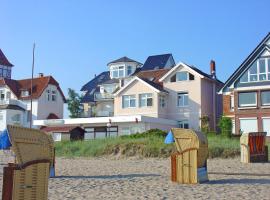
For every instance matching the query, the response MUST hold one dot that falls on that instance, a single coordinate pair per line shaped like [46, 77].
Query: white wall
[45, 107]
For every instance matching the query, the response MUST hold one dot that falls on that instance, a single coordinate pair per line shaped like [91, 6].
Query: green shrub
[149, 133]
[225, 125]
[205, 124]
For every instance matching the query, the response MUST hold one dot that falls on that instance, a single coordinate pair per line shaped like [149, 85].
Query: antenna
[33, 65]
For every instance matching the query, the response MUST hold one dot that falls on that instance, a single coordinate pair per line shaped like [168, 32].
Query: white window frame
[2, 92]
[48, 94]
[187, 73]
[24, 93]
[183, 94]
[182, 124]
[118, 69]
[267, 72]
[129, 98]
[54, 95]
[145, 97]
[162, 101]
[56, 139]
[266, 104]
[232, 102]
[247, 105]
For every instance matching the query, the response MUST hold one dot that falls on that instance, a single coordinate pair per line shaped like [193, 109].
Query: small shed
[253, 147]
[27, 177]
[189, 163]
[62, 133]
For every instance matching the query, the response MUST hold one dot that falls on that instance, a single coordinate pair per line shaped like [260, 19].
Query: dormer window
[25, 93]
[129, 70]
[117, 72]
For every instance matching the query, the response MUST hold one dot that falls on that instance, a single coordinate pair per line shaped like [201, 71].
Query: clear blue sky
[76, 39]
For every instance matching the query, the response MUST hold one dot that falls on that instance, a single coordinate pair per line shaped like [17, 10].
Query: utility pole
[33, 65]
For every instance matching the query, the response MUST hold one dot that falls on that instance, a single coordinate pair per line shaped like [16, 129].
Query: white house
[15, 100]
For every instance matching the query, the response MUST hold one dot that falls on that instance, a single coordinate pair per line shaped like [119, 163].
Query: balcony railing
[103, 96]
[13, 102]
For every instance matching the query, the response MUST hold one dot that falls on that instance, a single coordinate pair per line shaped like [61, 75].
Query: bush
[225, 125]
[205, 124]
[149, 133]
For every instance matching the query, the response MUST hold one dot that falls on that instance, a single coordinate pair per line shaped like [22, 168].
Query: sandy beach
[134, 178]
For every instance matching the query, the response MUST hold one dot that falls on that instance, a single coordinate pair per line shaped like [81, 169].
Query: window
[56, 137]
[16, 118]
[129, 101]
[117, 72]
[247, 99]
[183, 124]
[173, 78]
[129, 70]
[1, 117]
[8, 95]
[232, 102]
[2, 94]
[162, 102]
[28, 116]
[181, 76]
[146, 100]
[48, 95]
[53, 95]
[259, 71]
[182, 99]
[25, 93]
[265, 98]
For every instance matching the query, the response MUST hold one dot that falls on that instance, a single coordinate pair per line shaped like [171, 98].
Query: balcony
[103, 96]
[13, 102]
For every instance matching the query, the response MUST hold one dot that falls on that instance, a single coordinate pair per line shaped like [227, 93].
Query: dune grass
[149, 144]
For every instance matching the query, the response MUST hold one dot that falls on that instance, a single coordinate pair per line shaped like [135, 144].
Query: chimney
[40, 75]
[213, 68]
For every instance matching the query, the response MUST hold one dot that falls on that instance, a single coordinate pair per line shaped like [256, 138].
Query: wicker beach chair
[27, 178]
[253, 147]
[189, 163]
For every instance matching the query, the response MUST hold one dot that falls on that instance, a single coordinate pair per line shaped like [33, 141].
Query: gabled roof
[156, 87]
[156, 62]
[152, 75]
[97, 80]
[39, 85]
[247, 61]
[123, 59]
[3, 60]
[193, 69]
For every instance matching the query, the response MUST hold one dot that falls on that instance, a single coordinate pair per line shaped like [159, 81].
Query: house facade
[246, 94]
[132, 98]
[15, 104]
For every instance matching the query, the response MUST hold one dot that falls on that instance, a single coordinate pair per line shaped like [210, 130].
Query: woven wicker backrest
[186, 139]
[30, 144]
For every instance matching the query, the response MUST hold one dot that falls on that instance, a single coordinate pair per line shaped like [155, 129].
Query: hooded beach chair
[189, 163]
[27, 177]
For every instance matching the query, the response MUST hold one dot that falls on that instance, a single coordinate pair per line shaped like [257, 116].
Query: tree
[74, 104]
[225, 124]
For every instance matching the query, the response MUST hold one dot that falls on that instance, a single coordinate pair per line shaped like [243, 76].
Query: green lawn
[144, 145]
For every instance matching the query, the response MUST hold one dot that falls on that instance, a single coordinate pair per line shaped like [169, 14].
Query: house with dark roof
[183, 94]
[246, 93]
[15, 99]
[5, 66]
